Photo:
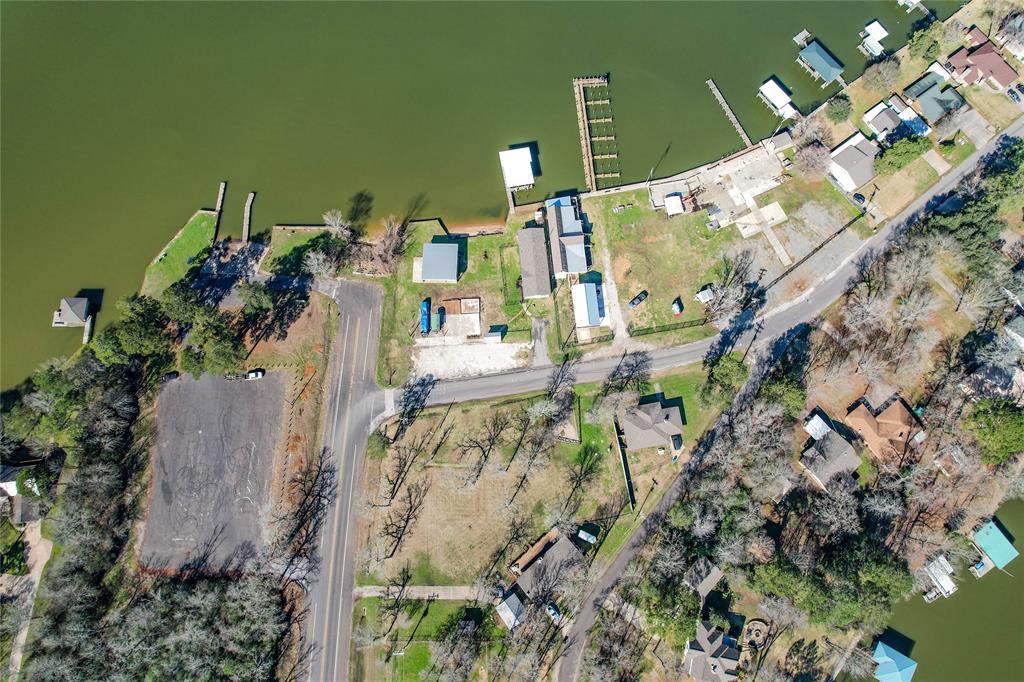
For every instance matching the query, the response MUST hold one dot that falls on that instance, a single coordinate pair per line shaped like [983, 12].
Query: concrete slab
[936, 161]
[212, 468]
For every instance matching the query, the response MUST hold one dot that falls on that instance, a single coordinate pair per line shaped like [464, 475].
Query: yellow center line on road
[348, 509]
[334, 433]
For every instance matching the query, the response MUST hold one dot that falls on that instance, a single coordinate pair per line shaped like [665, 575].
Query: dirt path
[611, 301]
[442, 592]
[39, 549]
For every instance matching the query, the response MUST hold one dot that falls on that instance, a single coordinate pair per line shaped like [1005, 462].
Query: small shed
[440, 263]
[511, 610]
[517, 167]
[778, 100]
[71, 312]
[588, 305]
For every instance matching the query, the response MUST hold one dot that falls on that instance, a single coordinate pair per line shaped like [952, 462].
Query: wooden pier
[220, 196]
[608, 154]
[728, 112]
[247, 217]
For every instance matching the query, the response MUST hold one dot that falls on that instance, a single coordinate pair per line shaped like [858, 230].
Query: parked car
[677, 307]
[1012, 94]
[170, 376]
[1020, 88]
[553, 612]
[860, 199]
[638, 299]
[254, 374]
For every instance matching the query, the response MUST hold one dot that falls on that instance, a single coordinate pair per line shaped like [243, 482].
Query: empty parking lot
[212, 469]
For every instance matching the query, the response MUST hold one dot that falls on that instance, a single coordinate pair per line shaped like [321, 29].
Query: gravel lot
[212, 470]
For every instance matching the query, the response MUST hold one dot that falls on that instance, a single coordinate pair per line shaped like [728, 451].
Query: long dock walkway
[247, 217]
[728, 111]
[579, 86]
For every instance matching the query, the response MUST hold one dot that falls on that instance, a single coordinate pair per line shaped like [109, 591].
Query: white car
[254, 374]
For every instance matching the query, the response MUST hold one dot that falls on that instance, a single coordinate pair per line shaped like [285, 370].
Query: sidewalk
[441, 592]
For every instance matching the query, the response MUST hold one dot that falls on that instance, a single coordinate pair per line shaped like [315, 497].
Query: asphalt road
[354, 399]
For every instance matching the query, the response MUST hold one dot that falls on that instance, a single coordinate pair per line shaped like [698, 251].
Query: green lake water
[976, 635]
[120, 119]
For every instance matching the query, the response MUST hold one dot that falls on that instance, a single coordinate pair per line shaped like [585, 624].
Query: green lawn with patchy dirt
[188, 248]
[288, 247]
[669, 257]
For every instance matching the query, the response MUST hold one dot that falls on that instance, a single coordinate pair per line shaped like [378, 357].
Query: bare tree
[835, 512]
[583, 468]
[609, 407]
[538, 449]
[394, 599]
[298, 529]
[401, 518]
[392, 243]
[401, 463]
[484, 442]
[812, 160]
[317, 264]
[881, 75]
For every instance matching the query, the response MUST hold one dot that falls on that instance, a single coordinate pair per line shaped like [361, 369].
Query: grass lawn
[995, 107]
[897, 190]
[957, 152]
[1012, 211]
[419, 623]
[181, 253]
[668, 257]
[288, 246]
[489, 271]
[793, 194]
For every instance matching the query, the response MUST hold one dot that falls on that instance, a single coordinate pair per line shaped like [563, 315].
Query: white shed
[674, 204]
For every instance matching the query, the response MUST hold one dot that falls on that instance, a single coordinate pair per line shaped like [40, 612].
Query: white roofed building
[777, 99]
[588, 305]
[674, 204]
[517, 167]
[872, 35]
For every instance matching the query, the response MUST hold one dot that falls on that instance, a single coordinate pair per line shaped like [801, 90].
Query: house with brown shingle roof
[981, 63]
[889, 431]
[653, 425]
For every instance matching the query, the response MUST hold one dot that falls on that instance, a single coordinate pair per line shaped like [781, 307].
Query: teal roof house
[820, 63]
[892, 665]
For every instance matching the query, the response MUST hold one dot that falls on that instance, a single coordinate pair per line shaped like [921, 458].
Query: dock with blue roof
[995, 548]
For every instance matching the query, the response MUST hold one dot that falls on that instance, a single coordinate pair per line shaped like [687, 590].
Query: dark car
[638, 299]
[1020, 88]
[1012, 94]
[859, 198]
[170, 376]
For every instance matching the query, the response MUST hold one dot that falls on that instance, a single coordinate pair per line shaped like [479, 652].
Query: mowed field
[212, 471]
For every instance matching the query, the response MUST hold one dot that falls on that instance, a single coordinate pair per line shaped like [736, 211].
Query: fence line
[659, 328]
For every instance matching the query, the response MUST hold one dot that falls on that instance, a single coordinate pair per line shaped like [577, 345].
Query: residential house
[853, 162]
[1011, 44]
[566, 237]
[820, 63]
[1015, 330]
[702, 577]
[9, 480]
[883, 120]
[829, 454]
[891, 665]
[777, 98]
[511, 610]
[517, 168]
[871, 43]
[888, 432]
[549, 568]
[712, 656]
[991, 381]
[588, 305]
[982, 63]
[71, 312]
[780, 141]
[934, 100]
[914, 123]
[534, 263]
[439, 264]
[653, 425]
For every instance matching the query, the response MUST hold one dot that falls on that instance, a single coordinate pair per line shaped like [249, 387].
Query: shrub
[13, 562]
[924, 44]
[999, 428]
[901, 153]
[839, 108]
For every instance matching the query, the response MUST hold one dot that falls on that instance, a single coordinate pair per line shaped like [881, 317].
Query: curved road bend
[355, 399]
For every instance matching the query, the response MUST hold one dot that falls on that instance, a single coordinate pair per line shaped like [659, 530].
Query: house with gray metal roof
[533, 262]
[566, 237]
[440, 263]
[71, 312]
[703, 576]
[829, 454]
[853, 162]
[544, 573]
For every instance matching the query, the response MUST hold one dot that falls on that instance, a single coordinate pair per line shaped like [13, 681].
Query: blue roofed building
[820, 63]
[566, 236]
[588, 305]
[892, 665]
[996, 549]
